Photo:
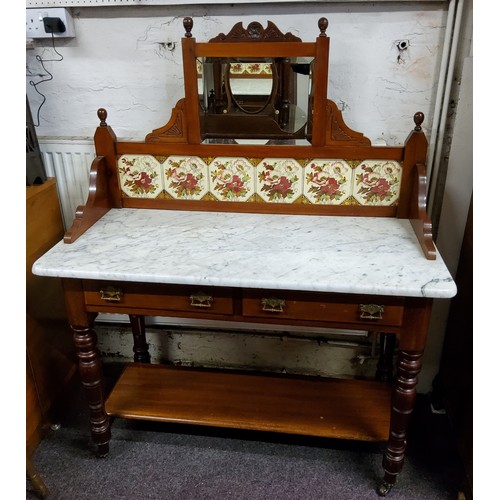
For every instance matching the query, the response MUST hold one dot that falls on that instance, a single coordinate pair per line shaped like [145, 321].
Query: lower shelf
[335, 408]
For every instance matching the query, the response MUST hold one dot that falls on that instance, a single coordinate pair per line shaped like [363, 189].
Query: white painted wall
[298, 352]
[118, 60]
[128, 60]
[456, 201]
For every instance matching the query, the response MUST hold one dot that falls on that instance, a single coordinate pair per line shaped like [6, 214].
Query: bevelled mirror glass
[255, 100]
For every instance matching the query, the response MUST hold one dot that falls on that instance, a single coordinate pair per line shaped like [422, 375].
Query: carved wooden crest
[255, 32]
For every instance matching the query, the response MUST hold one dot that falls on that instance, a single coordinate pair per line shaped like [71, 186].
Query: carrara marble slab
[362, 255]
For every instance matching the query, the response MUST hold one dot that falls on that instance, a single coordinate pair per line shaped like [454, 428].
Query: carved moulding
[255, 32]
[338, 132]
[175, 130]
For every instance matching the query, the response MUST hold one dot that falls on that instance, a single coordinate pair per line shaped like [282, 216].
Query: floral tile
[268, 69]
[186, 177]
[377, 182]
[327, 182]
[237, 68]
[231, 179]
[258, 68]
[279, 180]
[140, 176]
[240, 68]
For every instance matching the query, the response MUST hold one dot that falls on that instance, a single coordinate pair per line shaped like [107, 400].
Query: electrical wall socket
[34, 22]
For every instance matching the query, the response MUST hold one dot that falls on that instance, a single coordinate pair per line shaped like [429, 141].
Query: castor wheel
[383, 488]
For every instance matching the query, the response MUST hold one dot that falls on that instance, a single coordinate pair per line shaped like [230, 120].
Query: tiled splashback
[272, 180]
[240, 68]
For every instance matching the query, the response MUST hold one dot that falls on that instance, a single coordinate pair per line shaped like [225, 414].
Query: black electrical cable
[50, 77]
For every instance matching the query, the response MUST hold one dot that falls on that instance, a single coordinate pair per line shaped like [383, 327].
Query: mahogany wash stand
[311, 226]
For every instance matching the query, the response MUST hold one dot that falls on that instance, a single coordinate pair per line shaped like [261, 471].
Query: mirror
[244, 98]
[250, 86]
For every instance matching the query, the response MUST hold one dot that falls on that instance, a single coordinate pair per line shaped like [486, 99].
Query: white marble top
[365, 255]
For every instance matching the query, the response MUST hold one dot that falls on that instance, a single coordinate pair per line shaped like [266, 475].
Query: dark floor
[165, 461]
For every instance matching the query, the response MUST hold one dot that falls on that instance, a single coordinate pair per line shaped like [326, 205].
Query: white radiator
[69, 162]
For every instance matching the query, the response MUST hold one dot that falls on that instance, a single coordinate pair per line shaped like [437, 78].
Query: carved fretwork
[338, 131]
[174, 130]
[255, 32]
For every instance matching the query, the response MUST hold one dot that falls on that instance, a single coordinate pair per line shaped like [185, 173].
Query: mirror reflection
[255, 98]
[249, 86]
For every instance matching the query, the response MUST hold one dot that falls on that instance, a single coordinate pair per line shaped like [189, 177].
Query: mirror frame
[256, 42]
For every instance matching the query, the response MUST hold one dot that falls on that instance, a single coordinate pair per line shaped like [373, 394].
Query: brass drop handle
[271, 304]
[371, 311]
[111, 294]
[201, 299]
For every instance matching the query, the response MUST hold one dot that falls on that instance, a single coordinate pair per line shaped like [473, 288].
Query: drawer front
[310, 306]
[158, 297]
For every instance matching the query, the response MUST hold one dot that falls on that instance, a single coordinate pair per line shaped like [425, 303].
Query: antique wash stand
[255, 203]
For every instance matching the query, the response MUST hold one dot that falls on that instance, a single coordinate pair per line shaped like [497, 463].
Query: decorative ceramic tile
[231, 179]
[327, 182]
[279, 180]
[258, 68]
[186, 177]
[377, 182]
[237, 68]
[140, 176]
[268, 69]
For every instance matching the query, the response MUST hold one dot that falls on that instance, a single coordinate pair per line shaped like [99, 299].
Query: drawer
[105, 296]
[311, 306]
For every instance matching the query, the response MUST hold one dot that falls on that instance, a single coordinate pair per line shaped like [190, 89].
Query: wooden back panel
[373, 193]
[339, 173]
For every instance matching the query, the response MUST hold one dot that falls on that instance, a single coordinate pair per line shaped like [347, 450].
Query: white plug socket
[34, 22]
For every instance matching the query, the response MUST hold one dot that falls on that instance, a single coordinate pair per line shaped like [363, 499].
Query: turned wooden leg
[36, 480]
[85, 340]
[384, 371]
[141, 348]
[403, 401]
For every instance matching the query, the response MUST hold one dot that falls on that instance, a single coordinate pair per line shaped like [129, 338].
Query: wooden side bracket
[98, 201]
[419, 219]
[175, 130]
[337, 132]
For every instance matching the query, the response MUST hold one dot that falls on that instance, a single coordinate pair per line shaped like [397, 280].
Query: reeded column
[403, 402]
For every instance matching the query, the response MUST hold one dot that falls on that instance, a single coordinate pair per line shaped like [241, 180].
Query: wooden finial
[188, 26]
[418, 118]
[322, 25]
[102, 114]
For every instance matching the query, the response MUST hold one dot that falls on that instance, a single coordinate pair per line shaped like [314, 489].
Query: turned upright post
[89, 362]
